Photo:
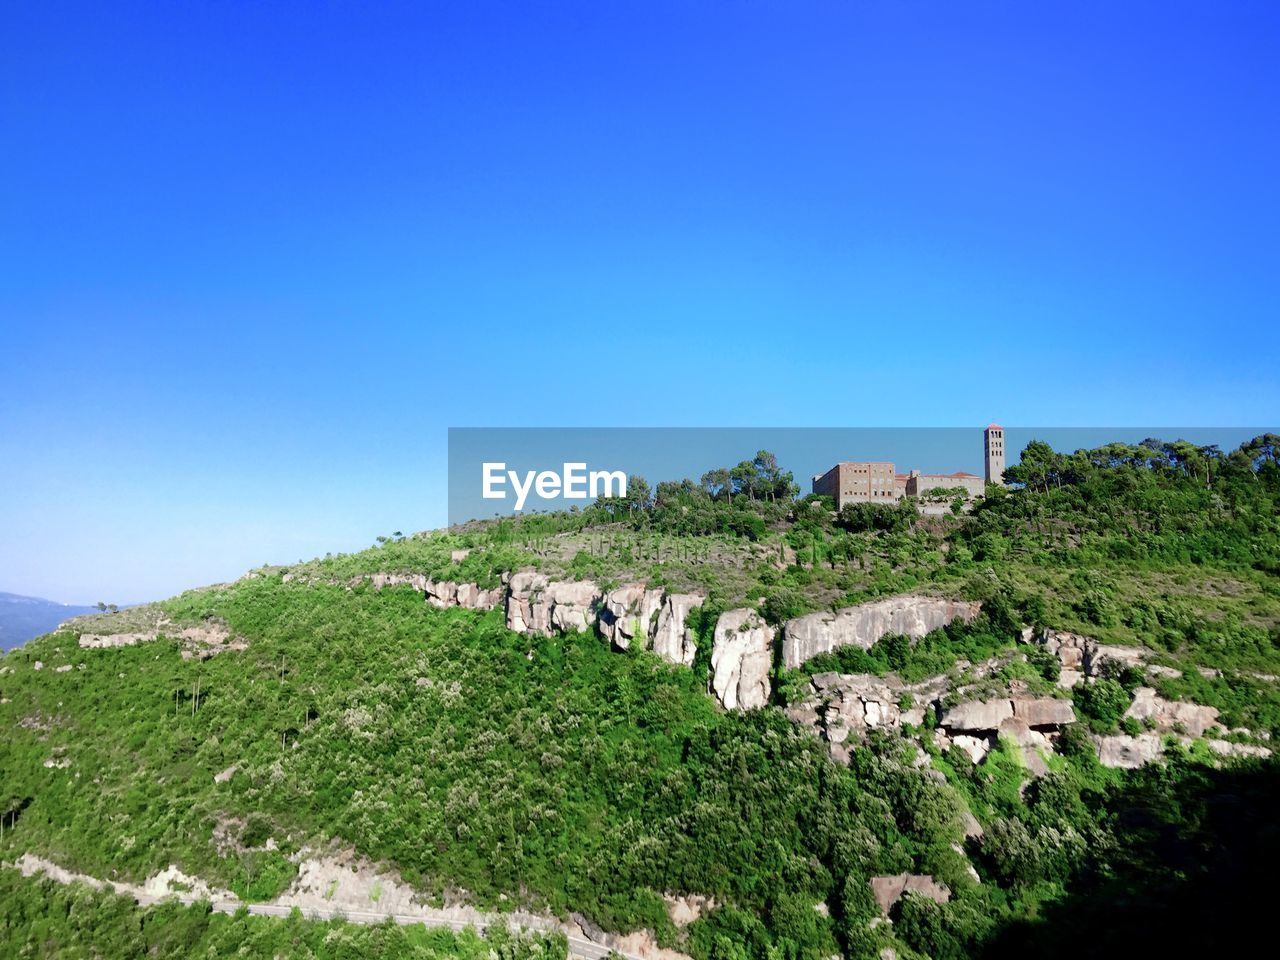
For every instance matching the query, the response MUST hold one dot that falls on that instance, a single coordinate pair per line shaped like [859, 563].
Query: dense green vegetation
[467, 756]
[555, 774]
[47, 919]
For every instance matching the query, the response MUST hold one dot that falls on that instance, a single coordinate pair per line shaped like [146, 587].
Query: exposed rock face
[1128, 752]
[380, 580]
[535, 605]
[199, 641]
[626, 614]
[672, 640]
[1083, 656]
[849, 706]
[1229, 749]
[1033, 744]
[1044, 711]
[442, 595]
[976, 747]
[96, 641]
[1193, 718]
[977, 715]
[467, 595]
[1016, 718]
[889, 890]
[741, 659]
[1022, 733]
[574, 606]
[841, 707]
[1124, 656]
[861, 626]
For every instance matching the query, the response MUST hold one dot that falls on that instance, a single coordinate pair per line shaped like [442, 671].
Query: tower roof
[994, 426]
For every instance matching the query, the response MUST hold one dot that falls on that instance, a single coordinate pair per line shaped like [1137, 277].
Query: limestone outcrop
[741, 658]
[975, 725]
[1166, 716]
[1228, 748]
[469, 596]
[862, 626]
[197, 641]
[1082, 656]
[889, 890]
[627, 614]
[976, 747]
[847, 705]
[1043, 711]
[979, 715]
[537, 605]
[1129, 753]
[442, 594]
[672, 640]
[99, 641]
[841, 707]
[380, 580]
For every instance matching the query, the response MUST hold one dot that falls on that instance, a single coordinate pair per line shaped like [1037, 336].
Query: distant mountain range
[22, 618]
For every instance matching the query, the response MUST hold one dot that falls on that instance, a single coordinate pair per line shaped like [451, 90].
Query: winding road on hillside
[579, 949]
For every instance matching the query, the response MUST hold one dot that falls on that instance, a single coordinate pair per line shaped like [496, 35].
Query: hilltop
[716, 719]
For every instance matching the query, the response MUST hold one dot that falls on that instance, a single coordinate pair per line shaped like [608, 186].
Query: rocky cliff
[741, 659]
[628, 614]
[843, 707]
[672, 640]
[840, 707]
[1083, 657]
[537, 605]
[862, 626]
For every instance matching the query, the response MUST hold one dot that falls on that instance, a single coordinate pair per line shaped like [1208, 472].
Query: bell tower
[993, 450]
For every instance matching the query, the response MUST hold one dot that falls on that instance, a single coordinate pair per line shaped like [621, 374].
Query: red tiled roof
[994, 426]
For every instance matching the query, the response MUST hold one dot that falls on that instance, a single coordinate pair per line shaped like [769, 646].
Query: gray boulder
[1128, 752]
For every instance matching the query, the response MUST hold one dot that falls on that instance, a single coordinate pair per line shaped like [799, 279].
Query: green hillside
[558, 776]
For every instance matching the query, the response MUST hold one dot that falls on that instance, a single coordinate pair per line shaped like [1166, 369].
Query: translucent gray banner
[499, 471]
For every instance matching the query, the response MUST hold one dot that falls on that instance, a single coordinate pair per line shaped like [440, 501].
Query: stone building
[859, 481]
[918, 484]
[872, 481]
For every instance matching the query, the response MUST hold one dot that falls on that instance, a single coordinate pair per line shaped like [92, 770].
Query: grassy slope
[562, 775]
[464, 754]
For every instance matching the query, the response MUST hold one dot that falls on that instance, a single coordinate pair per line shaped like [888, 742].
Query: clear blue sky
[257, 257]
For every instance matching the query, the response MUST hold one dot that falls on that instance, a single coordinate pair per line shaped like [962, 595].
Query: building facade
[859, 481]
[918, 484]
[872, 481]
[993, 452]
